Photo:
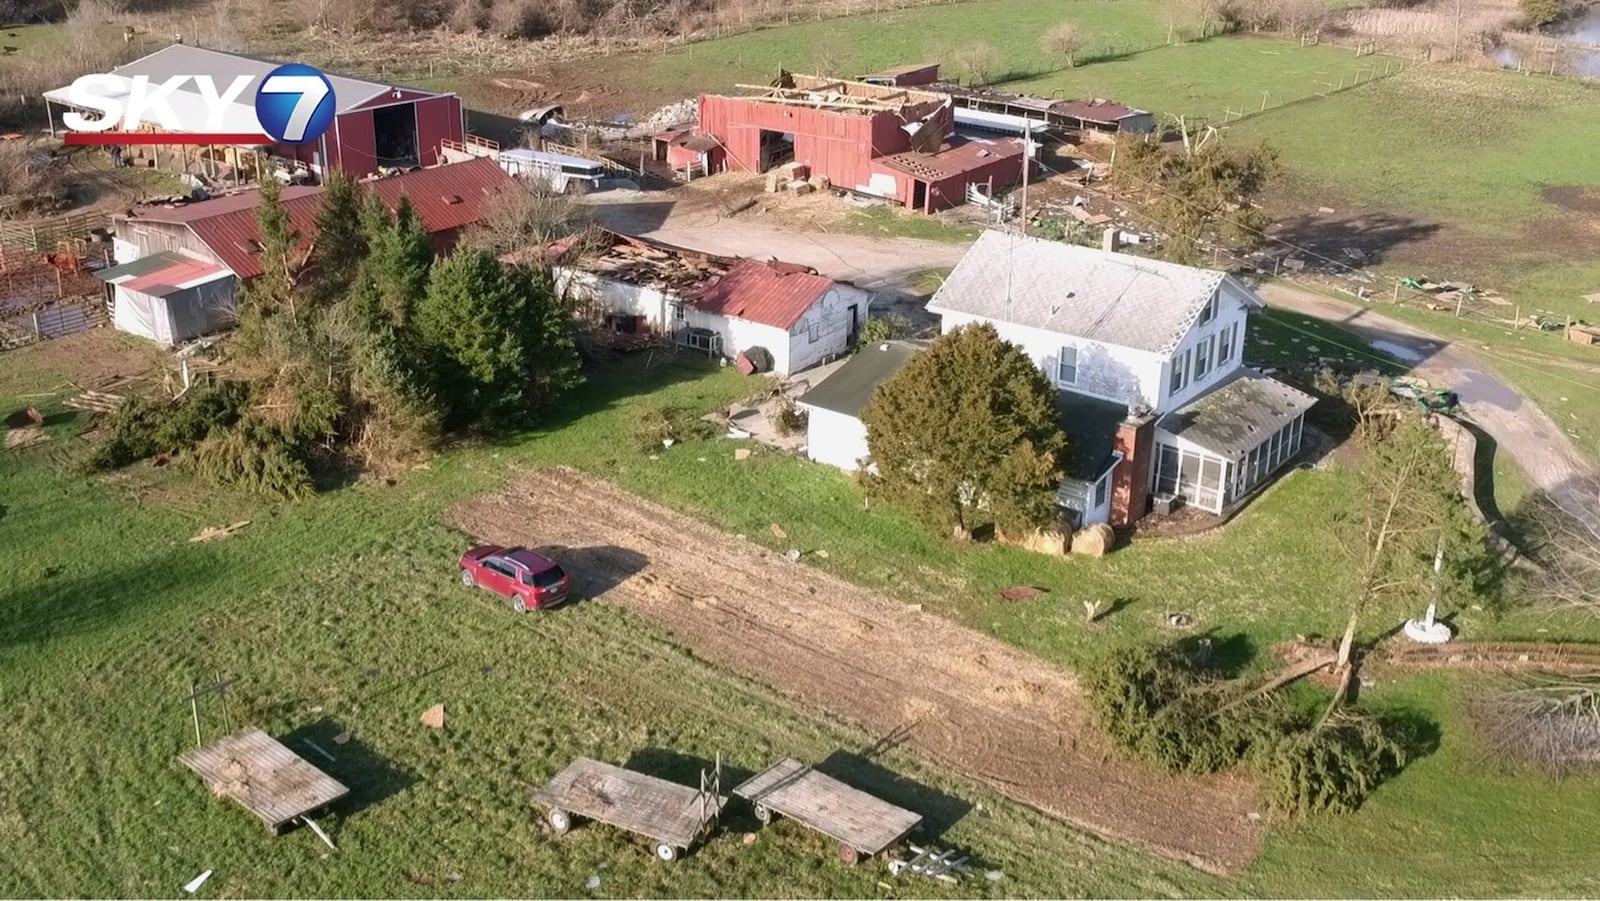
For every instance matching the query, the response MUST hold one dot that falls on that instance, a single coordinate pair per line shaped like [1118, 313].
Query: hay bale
[1040, 541]
[1094, 541]
[800, 187]
[821, 182]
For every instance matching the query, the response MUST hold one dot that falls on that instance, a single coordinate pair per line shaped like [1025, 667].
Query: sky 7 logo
[295, 104]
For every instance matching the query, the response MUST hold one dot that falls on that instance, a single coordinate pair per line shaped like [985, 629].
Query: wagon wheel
[849, 854]
[559, 820]
[666, 852]
[764, 814]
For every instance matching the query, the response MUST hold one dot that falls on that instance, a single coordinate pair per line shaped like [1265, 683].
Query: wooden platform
[667, 812]
[823, 803]
[270, 780]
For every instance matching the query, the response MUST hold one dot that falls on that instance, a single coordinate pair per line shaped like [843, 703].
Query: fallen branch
[1298, 671]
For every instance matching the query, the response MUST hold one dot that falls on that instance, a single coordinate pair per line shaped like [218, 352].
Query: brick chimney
[1111, 240]
[1130, 481]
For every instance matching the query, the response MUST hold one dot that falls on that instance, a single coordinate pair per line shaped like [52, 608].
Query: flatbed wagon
[862, 824]
[263, 775]
[673, 816]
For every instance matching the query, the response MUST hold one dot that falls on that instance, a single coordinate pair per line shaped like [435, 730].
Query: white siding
[140, 314]
[124, 251]
[834, 438]
[1231, 312]
[832, 318]
[1107, 371]
[616, 296]
[739, 335]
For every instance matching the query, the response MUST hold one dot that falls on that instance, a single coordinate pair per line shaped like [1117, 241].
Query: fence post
[37, 332]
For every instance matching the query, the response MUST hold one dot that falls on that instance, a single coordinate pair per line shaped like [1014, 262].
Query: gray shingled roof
[1238, 414]
[1113, 298]
[849, 388]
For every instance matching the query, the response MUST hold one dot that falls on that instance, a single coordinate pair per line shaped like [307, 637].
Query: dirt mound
[970, 702]
[1583, 199]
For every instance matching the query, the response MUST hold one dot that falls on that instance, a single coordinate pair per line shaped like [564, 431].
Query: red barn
[376, 125]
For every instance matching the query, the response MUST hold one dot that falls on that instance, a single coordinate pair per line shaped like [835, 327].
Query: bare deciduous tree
[1064, 39]
[1550, 722]
[1567, 548]
[978, 61]
[524, 221]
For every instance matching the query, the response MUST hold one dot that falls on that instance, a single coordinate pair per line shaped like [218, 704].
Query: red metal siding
[837, 145]
[438, 120]
[952, 191]
[357, 152]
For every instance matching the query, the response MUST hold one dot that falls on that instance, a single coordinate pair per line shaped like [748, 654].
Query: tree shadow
[1228, 656]
[1373, 235]
[639, 218]
[370, 776]
[57, 607]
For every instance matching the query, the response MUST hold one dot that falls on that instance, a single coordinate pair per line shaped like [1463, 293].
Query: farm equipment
[674, 816]
[862, 824]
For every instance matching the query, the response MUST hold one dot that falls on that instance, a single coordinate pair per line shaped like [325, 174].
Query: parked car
[528, 580]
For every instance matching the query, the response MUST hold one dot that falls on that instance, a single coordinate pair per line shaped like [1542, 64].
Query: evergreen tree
[497, 337]
[341, 243]
[273, 291]
[394, 275]
[970, 419]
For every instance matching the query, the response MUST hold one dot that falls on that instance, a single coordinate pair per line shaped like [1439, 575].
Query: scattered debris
[319, 749]
[318, 830]
[343, 738]
[1020, 593]
[994, 875]
[741, 453]
[736, 433]
[95, 402]
[778, 532]
[592, 883]
[17, 438]
[212, 533]
[1253, 816]
[433, 717]
[1091, 609]
[819, 552]
[1179, 620]
[749, 838]
[793, 555]
[194, 884]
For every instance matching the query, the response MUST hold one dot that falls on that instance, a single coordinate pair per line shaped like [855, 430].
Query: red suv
[530, 581]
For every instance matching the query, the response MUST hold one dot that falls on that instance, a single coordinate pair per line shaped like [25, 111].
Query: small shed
[835, 434]
[259, 772]
[170, 297]
[690, 151]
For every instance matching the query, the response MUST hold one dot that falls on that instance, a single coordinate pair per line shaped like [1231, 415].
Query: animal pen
[47, 295]
[862, 824]
[674, 816]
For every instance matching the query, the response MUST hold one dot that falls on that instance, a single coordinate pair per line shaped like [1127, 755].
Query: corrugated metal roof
[775, 294]
[445, 197]
[1083, 292]
[959, 155]
[135, 268]
[1239, 414]
[161, 274]
[1103, 111]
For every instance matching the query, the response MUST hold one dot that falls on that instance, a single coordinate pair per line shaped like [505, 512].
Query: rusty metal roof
[769, 293]
[1102, 111]
[957, 156]
[445, 197]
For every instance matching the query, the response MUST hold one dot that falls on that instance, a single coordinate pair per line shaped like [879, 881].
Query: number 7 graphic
[311, 89]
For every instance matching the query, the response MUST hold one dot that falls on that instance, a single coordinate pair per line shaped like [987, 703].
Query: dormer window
[1210, 312]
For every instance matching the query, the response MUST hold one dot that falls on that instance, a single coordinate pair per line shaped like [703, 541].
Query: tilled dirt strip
[968, 701]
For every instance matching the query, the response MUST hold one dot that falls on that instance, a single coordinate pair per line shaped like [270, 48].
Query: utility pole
[1027, 163]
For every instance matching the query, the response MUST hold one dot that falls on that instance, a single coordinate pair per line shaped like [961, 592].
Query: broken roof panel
[957, 156]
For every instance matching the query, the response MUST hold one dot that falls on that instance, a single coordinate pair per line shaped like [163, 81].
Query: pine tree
[341, 243]
[273, 291]
[394, 275]
[970, 419]
[499, 342]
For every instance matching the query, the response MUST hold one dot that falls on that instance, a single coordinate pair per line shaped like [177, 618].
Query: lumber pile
[95, 402]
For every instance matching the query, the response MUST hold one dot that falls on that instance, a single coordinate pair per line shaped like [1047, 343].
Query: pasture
[340, 614]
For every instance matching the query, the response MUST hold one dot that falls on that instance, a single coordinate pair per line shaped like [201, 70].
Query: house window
[1180, 373]
[1202, 357]
[677, 313]
[1225, 344]
[1210, 311]
[1067, 366]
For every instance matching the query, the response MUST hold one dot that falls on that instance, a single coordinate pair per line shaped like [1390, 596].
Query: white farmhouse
[722, 306]
[1155, 397]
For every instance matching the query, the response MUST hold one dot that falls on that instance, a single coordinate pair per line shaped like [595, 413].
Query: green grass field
[340, 614]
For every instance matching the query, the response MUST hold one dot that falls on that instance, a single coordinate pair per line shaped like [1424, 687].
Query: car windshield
[547, 577]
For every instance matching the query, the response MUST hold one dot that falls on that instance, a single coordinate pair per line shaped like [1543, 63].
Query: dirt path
[1519, 427]
[967, 701]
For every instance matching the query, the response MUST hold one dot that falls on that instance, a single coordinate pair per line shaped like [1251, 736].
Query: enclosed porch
[1217, 450]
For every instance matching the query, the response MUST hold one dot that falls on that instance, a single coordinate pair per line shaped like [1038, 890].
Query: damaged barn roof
[845, 96]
